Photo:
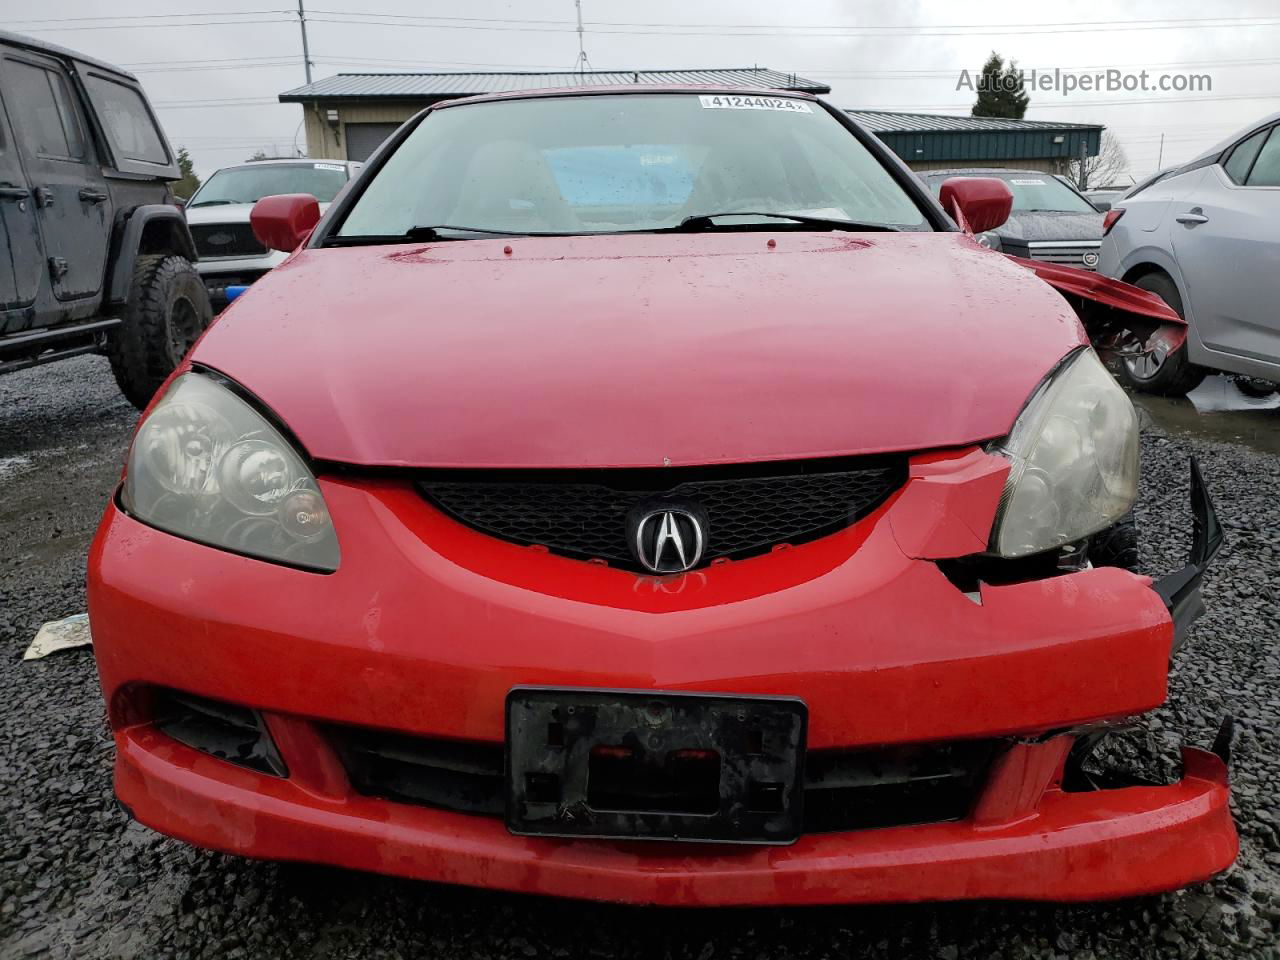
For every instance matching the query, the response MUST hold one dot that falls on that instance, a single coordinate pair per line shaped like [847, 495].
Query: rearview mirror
[978, 204]
[284, 221]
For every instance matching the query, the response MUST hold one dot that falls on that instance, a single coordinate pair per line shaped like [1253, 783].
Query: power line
[144, 26]
[144, 16]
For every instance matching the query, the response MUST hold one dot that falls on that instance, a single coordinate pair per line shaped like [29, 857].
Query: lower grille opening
[223, 730]
[844, 790]
[449, 774]
[894, 786]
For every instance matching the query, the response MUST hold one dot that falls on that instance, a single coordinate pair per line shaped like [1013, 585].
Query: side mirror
[1102, 206]
[978, 204]
[284, 221]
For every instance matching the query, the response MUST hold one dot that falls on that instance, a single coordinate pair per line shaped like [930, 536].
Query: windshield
[1033, 192]
[251, 184]
[605, 164]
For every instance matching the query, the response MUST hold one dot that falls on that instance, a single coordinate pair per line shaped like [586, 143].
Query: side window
[45, 111]
[1266, 169]
[1242, 157]
[127, 121]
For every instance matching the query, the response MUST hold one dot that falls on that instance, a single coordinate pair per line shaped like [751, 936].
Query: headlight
[206, 466]
[989, 239]
[1074, 454]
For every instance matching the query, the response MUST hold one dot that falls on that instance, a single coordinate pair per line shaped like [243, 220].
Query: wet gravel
[77, 879]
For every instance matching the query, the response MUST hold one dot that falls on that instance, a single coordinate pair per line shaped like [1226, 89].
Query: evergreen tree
[190, 183]
[1000, 90]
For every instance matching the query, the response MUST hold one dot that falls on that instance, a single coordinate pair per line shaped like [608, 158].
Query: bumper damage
[334, 719]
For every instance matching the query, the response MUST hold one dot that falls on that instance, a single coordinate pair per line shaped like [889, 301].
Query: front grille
[843, 789]
[223, 730]
[225, 240]
[1073, 253]
[749, 509]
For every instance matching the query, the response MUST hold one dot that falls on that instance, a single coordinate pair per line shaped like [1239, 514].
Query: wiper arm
[209, 203]
[431, 233]
[706, 221]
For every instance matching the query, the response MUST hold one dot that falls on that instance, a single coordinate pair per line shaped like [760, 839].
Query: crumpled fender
[1120, 319]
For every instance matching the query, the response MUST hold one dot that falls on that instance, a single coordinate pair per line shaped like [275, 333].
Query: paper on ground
[60, 635]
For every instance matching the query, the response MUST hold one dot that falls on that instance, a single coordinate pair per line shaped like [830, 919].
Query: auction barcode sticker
[731, 101]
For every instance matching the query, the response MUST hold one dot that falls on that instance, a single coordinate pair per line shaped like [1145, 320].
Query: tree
[190, 183]
[1106, 168]
[258, 155]
[1000, 90]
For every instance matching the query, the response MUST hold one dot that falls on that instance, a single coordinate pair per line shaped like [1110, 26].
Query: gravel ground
[78, 879]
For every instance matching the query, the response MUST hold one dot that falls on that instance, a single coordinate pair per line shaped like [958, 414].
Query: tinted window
[250, 184]
[1242, 157]
[127, 120]
[1266, 169]
[606, 164]
[45, 111]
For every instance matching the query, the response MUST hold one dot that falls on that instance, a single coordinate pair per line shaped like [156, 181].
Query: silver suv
[218, 215]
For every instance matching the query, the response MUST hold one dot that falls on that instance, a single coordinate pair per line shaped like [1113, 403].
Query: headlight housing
[989, 239]
[1074, 456]
[206, 466]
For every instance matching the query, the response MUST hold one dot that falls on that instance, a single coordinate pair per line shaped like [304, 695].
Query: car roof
[627, 89]
[8, 38]
[1238, 135]
[953, 171]
[289, 161]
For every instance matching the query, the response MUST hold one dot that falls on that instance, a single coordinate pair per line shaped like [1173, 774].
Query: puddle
[1219, 410]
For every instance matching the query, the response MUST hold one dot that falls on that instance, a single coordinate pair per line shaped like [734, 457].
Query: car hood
[643, 350]
[1052, 226]
[224, 213]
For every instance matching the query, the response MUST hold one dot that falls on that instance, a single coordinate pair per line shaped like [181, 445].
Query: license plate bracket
[654, 765]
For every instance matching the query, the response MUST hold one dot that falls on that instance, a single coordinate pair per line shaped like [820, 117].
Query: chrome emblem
[219, 239]
[1091, 259]
[669, 539]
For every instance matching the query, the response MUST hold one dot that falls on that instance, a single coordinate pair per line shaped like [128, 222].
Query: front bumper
[427, 625]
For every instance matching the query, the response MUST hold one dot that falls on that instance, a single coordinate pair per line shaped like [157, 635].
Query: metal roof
[888, 121]
[441, 86]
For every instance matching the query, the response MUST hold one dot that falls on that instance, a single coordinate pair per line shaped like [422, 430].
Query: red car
[650, 495]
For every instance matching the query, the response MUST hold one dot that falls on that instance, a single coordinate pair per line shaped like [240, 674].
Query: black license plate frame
[641, 764]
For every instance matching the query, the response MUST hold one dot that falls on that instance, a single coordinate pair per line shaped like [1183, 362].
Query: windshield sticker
[735, 102]
[330, 166]
[1027, 183]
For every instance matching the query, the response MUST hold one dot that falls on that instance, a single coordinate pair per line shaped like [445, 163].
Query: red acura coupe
[652, 495]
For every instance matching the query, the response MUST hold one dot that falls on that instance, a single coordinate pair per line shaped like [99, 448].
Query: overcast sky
[193, 60]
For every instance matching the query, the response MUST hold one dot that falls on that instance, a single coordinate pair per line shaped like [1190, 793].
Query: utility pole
[1084, 162]
[1160, 158]
[581, 63]
[306, 51]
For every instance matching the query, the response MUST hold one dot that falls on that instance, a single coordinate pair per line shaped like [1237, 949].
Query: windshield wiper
[211, 203]
[433, 233]
[706, 221]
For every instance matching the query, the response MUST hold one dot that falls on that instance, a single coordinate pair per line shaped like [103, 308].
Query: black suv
[95, 256]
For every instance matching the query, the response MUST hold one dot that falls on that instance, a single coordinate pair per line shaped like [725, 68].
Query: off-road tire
[1116, 546]
[168, 309]
[1177, 376]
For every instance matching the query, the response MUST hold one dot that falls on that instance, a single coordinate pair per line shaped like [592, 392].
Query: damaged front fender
[1121, 320]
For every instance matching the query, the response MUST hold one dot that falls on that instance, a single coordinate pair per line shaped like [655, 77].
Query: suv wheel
[1173, 374]
[168, 309]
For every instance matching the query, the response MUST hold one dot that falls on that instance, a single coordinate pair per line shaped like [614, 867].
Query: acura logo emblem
[668, 538]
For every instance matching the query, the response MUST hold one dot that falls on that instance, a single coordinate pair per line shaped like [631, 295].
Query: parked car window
[603, 164]
[45, 111]
[1032, 192]
[249, 184]
[1242, 157]
[1266, 169]
[128, 122]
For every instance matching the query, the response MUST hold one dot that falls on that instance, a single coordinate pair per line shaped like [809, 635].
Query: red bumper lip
[427, 625]
[1085, 846]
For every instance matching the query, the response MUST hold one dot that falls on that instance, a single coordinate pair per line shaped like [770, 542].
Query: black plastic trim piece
[128, 239]
[1180, 590]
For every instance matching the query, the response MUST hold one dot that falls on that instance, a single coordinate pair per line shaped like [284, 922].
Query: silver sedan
[1206, 238]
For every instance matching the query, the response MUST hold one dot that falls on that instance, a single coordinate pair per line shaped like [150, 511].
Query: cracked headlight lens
[1074, 461]
[206, 466]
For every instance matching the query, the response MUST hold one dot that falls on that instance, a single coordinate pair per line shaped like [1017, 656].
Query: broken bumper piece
[1180, 590]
